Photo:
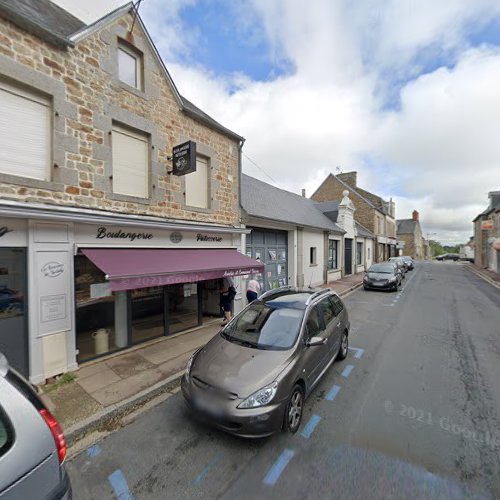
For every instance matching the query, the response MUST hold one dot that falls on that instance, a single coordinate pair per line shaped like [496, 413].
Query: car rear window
[25, 388]
[6, 433]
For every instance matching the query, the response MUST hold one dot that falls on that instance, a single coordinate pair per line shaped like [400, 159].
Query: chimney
[494, 197]
[415, 215]
[303, 192]
[349, 178]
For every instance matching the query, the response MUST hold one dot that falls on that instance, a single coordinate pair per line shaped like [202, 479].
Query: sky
[405, 92]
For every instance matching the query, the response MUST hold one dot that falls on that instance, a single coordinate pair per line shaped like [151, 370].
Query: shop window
[333, 246]
[148, 320]
[359, 254]
[130, 66]
[130, 162]
[25, 133]
[101, 315]
[196, 185]
[183, 306]
[312, 256]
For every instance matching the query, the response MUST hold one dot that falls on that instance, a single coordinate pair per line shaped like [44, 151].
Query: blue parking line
[93, 451]
[359, 351]
[347, 370]
[333, 393]
[278, 467]
[120, 486]
[310, 426]
[201, 476]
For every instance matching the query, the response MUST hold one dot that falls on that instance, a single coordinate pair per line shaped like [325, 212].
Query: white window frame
[23, 93]
[139, 64]
[144, 138]
[202, 170]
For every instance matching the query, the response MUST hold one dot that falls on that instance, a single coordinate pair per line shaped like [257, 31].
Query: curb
[485, 278]
[349, 290]
[117, 410]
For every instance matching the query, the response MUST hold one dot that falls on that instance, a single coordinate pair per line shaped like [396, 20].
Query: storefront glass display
[183, 306]
[96, 307]
[148, 321]
[13, 307]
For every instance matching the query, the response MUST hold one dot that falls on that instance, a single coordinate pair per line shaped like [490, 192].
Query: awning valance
[129, 269]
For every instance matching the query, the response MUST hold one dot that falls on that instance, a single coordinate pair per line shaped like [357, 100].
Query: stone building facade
[410, 232]
[374, 213]
[101, 245]
[487, 235]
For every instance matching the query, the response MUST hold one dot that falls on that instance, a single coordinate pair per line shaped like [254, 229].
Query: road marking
[278, 467]
[359, 352]
[120, 486]
[310, 426]
[347, 370]
[388, 305]
[204, 472]
[333, 393]
[93, 451]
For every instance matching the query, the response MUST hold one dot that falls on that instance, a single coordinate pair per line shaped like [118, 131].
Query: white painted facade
[313, 270]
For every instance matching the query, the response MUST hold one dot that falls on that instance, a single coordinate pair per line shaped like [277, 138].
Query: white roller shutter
[130, 163]
[25, 133]
[197, 185]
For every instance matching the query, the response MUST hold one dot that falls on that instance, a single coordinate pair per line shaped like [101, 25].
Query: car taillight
[57, 433]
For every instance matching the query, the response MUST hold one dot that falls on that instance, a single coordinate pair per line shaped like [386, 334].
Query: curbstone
[484, 277]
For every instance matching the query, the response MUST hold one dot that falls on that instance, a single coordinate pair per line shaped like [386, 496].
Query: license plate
[209, 406]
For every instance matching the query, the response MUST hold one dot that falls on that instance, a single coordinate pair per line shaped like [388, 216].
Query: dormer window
[130, 66]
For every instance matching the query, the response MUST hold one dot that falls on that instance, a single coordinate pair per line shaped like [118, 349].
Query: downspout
[240, 173]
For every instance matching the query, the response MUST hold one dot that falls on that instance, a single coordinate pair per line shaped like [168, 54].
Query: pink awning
[128, 269]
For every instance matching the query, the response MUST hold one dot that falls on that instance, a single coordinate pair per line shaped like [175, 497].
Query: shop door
[13, 308]
[348, 256]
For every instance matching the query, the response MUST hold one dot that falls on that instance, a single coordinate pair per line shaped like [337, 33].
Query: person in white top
[253, 289]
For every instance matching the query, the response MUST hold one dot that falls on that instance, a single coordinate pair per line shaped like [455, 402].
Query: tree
[436, 248]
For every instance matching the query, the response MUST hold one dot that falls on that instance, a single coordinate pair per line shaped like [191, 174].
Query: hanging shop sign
[184, 158]
[487, 224]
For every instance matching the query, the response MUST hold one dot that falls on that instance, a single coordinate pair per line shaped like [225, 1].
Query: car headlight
[260, 398]
[392, 280]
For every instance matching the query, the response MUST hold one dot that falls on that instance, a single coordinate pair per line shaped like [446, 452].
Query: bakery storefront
[132, 286]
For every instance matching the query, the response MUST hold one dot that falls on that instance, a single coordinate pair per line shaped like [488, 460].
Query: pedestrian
[227, 294]
[253, 289]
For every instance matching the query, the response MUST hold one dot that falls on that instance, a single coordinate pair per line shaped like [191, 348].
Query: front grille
[217, 391]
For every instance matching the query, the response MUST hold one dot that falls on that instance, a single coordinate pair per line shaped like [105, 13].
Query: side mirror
[315, 341]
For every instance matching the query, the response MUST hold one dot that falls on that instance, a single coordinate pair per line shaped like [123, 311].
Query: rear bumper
[249, 423]
[64, 490]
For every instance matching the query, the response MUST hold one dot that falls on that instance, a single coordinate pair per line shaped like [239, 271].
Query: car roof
[294, 297]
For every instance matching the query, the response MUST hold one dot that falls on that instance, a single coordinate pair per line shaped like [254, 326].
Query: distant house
[409, 231]
[358, 240]
[298, 245]
[467, 250]
[374, 213]
[487, 235]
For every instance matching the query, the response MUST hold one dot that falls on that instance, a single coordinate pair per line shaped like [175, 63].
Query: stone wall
[87, 98]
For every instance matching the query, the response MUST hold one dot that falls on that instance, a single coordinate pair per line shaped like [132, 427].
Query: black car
[409, 262]
[448, 256]
[383, 276]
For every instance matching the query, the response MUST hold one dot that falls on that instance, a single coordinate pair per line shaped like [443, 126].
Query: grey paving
[418, 415]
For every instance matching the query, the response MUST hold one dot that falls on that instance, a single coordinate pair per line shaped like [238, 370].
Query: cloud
[402, 92]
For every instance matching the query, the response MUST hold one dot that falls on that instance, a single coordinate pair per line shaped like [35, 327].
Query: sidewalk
[490, 276]
[97, 395]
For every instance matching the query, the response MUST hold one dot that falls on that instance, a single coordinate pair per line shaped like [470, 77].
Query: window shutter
[197, 185]
[130, 163]
[25, 128]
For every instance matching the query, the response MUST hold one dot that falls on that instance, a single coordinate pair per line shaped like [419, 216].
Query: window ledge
[129, 198]
[30, 182]
[201, 210]
[313, 265]
[132, 90]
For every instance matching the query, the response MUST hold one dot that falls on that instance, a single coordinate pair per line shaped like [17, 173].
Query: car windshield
[265, 327]
[382, 268]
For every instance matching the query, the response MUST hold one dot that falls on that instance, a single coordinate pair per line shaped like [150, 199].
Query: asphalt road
[415, 414]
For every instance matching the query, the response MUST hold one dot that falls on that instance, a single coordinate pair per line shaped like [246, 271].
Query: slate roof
[260, 199]
[55, 25]
[42, 18]
[406, 226]
[363, 232]
[329, 208]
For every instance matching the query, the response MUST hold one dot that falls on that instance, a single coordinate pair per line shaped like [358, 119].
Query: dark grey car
[32, 445]
[253, 377]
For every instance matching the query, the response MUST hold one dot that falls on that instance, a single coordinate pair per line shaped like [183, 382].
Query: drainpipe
[240, 172]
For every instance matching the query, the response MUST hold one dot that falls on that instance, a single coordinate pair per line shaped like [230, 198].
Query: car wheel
[294, 409]
[344, 346]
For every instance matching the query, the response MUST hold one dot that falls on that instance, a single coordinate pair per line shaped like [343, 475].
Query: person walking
[227, 294]
[253, 289]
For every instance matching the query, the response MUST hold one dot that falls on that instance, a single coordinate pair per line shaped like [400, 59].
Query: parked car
[409, 262]
[252, 379]
[448, 256]
[382, 276]
[400, 262]
[32, 445]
